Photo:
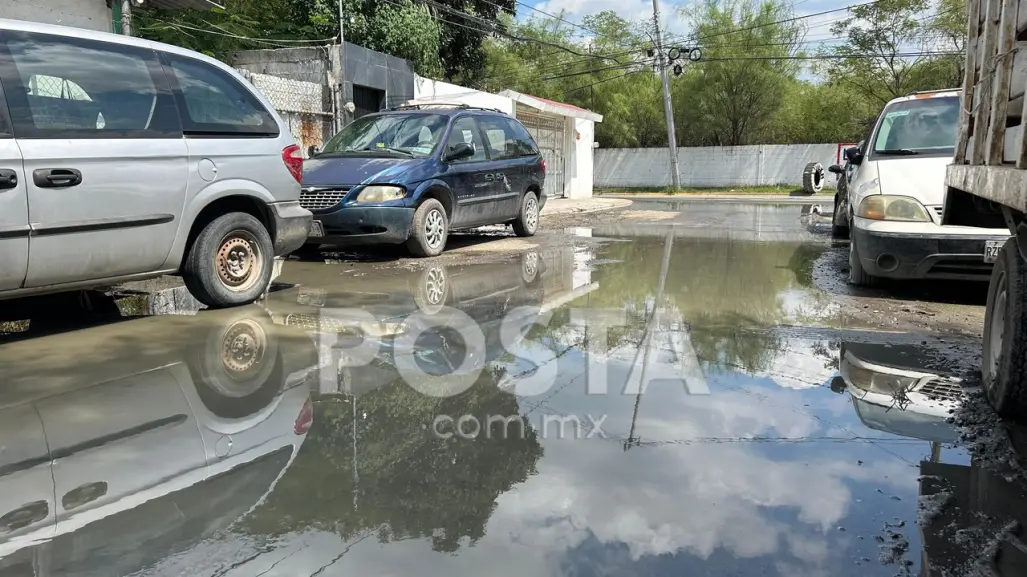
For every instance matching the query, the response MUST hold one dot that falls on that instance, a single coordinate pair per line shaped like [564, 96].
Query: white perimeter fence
[713, 166]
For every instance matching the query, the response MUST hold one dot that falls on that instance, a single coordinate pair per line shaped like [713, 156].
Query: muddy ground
[732, 407]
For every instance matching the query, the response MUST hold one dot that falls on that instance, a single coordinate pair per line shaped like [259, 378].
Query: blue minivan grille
[320, 199]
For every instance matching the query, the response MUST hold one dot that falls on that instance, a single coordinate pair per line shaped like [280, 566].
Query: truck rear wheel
[1005, 334]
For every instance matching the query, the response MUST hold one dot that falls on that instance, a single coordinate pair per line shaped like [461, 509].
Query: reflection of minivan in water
[143, 436]
[896, 194]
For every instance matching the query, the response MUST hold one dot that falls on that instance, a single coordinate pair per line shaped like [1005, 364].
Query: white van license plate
[991, 249]
[317, 229]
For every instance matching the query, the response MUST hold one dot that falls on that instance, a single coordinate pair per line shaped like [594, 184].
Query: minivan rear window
[924, 126]
[213, 102]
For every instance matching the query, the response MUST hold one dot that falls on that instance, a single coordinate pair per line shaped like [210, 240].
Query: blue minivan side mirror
[459, 151]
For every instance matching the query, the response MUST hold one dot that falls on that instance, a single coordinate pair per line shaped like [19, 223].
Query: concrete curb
[583, 206]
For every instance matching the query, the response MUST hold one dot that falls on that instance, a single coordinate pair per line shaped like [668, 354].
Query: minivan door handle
[8, 178]
[56, 177]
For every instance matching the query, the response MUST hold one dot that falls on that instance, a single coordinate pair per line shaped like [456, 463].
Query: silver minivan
[123, 159]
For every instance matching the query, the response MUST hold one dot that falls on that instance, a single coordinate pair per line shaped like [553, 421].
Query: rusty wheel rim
[238, 261]
[242, 351]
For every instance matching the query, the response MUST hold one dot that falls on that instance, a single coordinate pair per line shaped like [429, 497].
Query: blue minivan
[412, 174]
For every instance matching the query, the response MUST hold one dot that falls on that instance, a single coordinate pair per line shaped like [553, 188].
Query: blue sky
[819, 27]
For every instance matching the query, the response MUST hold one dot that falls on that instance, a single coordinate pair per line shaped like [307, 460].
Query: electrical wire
[801, 42]
[181, 26]
[566, 92]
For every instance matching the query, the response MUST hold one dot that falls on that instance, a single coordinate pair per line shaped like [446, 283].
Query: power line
[271, 41]
[830, 56]
[629, 73]
[553, 16]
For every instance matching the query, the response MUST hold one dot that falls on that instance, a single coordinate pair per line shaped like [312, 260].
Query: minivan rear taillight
[293, 159]
[543, 166]
[305, 419]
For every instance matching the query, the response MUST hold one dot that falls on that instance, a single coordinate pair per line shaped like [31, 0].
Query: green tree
[433, 36]
[395, 479]
[877, 34]
[731, 97]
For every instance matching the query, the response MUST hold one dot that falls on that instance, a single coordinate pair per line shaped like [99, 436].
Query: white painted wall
[580, 161]
[428, 89]
[91, 14]
[713, 166]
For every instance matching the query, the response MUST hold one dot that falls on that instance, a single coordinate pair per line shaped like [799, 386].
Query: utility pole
[337, 67]
[668, 108]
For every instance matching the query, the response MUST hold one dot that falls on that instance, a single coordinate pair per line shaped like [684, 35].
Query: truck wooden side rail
[987, 186]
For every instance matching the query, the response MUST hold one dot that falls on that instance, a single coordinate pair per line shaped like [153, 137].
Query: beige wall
[91, 14]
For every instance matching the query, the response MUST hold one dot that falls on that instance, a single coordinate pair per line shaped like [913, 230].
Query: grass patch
[671, 191]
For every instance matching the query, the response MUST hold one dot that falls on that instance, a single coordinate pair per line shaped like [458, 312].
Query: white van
[896, 194]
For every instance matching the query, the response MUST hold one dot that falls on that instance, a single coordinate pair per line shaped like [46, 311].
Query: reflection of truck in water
[986, 186]
[127, 442]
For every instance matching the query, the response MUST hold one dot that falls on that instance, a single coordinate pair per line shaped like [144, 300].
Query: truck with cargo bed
[986, 186]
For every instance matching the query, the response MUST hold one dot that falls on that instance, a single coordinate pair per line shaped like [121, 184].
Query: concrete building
[101, 15]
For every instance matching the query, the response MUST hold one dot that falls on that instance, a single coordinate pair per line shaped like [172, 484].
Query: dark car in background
[412, 174]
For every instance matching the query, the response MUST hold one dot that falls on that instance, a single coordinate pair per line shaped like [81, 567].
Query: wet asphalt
[681, 388]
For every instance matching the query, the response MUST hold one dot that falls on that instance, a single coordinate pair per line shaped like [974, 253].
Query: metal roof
[552, 107]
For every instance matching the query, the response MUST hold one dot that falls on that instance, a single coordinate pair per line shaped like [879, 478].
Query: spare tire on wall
[813, 178]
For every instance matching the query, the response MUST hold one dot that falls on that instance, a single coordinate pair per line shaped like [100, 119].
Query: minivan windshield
[920, 126]
[411, 135]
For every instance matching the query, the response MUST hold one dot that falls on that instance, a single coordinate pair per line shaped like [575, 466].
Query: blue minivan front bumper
[365, 225]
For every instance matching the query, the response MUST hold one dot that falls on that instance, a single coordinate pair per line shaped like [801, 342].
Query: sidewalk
[582, 205]
[738, 198]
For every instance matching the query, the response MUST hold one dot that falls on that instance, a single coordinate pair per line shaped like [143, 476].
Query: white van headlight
[381, 193]
[875, 382]
[890, 207]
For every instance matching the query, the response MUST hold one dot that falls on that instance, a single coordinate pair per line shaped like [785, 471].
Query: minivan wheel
[430, 229]
[527, 221]
[857, 274]
[230, 262]
[236, 367]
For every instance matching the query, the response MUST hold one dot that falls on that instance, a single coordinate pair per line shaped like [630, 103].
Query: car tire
[1004, 364]
[857, 275]
[231, 261]
[813, 178]
[838, 231]
[431, 290]
[236, 366]
[530, 267]
[430, 229]
[527, 220]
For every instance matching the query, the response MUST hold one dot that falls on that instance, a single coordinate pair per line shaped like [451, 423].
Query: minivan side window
[465, 130]
[60, 87]
[507, 138]
[213, 102]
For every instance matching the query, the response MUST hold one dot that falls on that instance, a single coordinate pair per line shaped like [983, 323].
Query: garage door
[548, 131]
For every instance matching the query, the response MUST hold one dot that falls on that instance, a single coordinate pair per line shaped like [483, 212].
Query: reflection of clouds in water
[800, 366]
[694, 498]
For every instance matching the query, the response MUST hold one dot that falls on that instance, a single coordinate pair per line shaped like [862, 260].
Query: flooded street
[678, 388]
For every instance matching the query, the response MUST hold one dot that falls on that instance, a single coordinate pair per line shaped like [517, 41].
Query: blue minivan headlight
[380, 193]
